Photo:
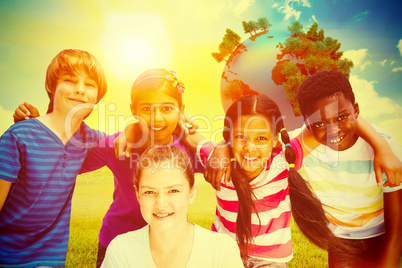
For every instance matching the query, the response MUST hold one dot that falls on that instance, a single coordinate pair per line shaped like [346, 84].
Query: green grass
[94, 193]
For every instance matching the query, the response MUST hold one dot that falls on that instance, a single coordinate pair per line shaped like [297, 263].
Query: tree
[293, 47]
[225, 48]
[246, 27]
[296, 28]
[344, 66]
[232, 37]
[217, 56]
[294, 77]
[237, 89]
[304, 54]
[229, 43]
[253, 26]
[314, 34]
[263, 23]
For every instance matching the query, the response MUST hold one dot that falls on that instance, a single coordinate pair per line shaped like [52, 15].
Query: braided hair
[307, 210]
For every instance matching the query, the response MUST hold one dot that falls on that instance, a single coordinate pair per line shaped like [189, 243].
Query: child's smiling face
[164, 194]
[76, 91]
[252, 140]
[158, 114]
[333, 122]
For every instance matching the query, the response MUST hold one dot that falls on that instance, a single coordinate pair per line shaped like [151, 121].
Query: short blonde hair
[74, 61]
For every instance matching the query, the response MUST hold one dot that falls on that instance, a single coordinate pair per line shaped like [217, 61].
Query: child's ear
[48, 91]
[306, 123]
[134, 111]
[193, 193]
[357, 110]
[182, 107]
[136, 193]
[276, 138]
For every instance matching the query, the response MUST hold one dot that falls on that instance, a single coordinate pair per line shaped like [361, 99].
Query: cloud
[305, 3]
[399, 46]
[6, 119]
[373, 107]
[360, 16]
[289, 12]
[363, 65]
[288, 9]
[393, 126]
[311, 21]
[314, 19]
[397, 69]
[358, 57]
[241, 6]
[383, 62]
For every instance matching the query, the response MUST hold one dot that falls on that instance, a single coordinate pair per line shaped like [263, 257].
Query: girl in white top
[164, 184]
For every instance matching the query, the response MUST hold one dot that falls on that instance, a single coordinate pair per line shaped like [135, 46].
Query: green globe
[251, 65]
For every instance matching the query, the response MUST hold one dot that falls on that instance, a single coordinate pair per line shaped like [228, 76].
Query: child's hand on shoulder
[389, 164]
[125, 141]
[219, 165]
[186, 125]
[25, 111]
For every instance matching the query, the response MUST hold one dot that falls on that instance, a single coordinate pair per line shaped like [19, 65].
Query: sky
[129, 37]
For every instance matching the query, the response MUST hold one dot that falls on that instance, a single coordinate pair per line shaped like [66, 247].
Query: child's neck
[58, 125]
[252, 175]
[150, 142]
[172, 248]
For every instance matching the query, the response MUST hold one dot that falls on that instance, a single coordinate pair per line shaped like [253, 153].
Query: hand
[219, 165]
[24, 112]
[187, 125]
[388, 163]
[124, 143]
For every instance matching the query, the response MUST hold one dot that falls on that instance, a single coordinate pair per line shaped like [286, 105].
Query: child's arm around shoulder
[218, 165]
[384, 159]
[391, 246]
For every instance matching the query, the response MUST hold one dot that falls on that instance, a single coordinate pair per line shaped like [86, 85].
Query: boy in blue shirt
[341, 173]
[39, 162]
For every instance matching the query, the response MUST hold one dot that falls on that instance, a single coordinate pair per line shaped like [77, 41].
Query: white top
[210, 250]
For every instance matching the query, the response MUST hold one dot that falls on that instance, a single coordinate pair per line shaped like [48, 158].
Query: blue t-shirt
[35, 218]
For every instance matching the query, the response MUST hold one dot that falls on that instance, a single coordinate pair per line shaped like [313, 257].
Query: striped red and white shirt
[271, 232]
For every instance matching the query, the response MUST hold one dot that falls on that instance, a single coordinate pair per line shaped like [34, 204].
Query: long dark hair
[307, 210]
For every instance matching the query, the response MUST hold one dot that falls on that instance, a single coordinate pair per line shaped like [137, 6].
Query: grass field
[94, 193]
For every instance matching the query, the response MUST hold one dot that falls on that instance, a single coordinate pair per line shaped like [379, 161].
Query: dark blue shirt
[35, 218]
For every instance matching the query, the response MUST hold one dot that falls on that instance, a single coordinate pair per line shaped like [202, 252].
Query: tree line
[231, 40]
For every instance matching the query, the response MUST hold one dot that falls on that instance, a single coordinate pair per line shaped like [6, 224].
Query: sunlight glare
[134, 43]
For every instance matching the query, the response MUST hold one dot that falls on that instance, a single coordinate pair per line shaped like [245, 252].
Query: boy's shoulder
[390, 139]
[90, 134]
[23, 126]
[383, 133]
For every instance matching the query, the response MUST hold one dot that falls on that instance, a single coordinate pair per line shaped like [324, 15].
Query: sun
[134, 43]
[135, 50]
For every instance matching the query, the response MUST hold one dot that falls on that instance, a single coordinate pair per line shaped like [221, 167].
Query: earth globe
[252, 64]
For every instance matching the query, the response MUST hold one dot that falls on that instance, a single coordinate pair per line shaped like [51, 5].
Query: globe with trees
[275, 63]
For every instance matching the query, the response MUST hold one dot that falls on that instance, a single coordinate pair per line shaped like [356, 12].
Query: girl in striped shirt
[255, 207]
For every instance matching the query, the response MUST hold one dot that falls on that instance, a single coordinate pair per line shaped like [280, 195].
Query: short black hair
[321, 85]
